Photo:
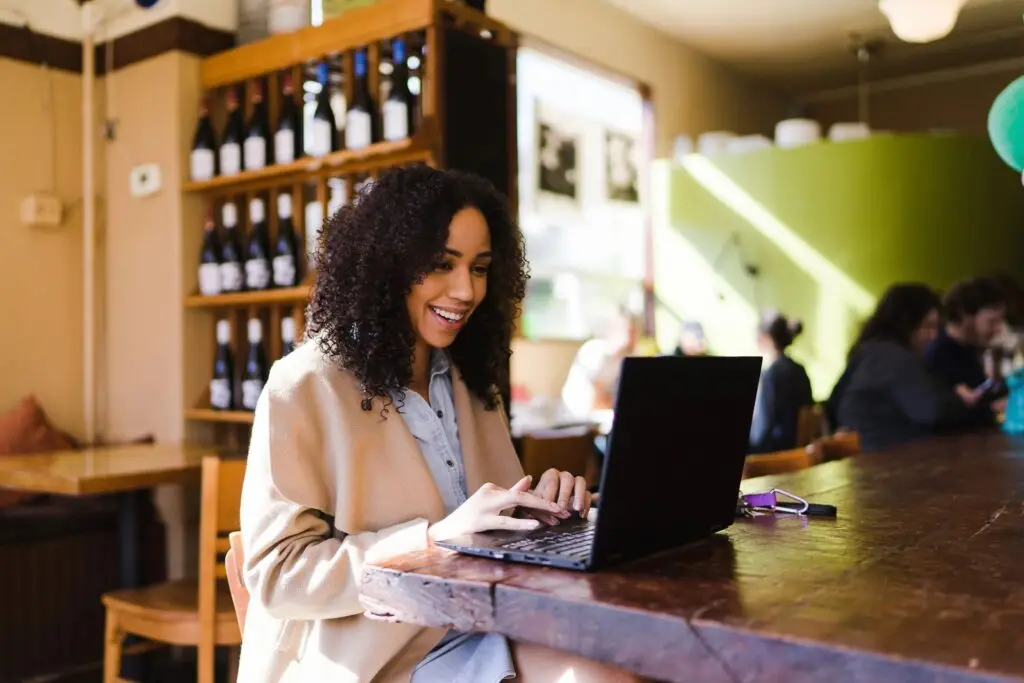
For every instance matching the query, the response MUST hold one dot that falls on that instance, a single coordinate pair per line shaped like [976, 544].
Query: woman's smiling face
[440, 306]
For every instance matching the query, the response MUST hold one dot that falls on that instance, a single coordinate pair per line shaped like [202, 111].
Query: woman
[886, 393]
[369, 438]
[784, 388]
[593, 378]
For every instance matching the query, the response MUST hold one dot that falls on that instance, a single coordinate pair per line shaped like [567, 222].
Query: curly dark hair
[377, 247]
[899, 313]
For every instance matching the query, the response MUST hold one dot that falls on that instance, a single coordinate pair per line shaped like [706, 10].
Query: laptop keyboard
[570, 542]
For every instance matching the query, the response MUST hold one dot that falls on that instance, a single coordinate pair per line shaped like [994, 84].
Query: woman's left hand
[568, 491]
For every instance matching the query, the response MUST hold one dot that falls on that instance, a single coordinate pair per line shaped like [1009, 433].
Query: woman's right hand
[482, 512]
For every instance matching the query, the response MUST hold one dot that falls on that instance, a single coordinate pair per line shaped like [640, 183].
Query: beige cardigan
[315, 453]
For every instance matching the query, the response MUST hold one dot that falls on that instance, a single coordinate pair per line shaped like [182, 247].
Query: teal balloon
[1006, 124]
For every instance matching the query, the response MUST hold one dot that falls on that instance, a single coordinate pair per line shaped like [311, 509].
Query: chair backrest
[233, 562]
[810, 425]
[570, 450]
[792, 460]
[840, 445]
[218, 516]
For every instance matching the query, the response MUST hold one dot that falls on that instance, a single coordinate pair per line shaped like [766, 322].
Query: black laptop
[671, 474]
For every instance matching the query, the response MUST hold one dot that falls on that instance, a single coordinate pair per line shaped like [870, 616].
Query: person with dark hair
[784, 388]
[975, 314]
[886, 393]
[384, 432]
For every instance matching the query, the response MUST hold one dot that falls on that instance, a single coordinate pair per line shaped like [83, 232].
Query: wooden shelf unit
[466, 120]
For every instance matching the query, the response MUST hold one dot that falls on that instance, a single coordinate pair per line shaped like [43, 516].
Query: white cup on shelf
[797, 132]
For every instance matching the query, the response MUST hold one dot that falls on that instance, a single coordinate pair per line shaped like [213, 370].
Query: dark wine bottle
[203, 159]
[361, 112]
[231, 277]
[288, 137]
[287, 335]
[222, 385]
[255, 375]
[286, 262]
[257, 150]
[231, 144]
[257, 252]
[324, 136]
[210, 258]
[397, 111]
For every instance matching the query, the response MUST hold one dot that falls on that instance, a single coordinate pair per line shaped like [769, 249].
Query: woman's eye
[442, 265]
[481, 270]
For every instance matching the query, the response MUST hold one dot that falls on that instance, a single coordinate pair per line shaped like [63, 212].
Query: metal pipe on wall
[88, 225]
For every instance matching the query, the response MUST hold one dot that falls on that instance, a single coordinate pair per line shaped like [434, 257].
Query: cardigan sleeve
[297, 566]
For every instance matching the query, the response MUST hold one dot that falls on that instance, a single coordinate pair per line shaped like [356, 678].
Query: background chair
[186, 612]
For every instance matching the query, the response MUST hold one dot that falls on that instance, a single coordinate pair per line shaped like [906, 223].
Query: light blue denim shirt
[459, 657]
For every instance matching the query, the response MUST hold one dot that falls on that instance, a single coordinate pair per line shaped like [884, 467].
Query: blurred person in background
[692, 341]
[594, 376]
[784, 388]
[886, 393]
[975, 314]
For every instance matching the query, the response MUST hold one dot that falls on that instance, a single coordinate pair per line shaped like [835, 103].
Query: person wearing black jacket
[975, 311]
[887, 394]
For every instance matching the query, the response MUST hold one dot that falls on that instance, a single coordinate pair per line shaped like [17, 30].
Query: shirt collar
[440, 363]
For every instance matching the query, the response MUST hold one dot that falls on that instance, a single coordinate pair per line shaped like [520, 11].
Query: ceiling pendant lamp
[921, 21]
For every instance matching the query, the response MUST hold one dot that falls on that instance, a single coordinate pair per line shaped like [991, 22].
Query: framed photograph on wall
[558, 150]
[622, 174]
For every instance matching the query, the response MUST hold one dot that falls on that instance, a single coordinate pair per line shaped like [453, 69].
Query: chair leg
[206, 672]
[112, 640]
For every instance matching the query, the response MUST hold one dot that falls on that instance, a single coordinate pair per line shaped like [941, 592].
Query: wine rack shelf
[241, 417]
[375, 157]
[462, 115]
[261, 298]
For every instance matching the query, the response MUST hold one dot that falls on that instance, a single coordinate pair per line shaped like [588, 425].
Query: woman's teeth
[448, 315]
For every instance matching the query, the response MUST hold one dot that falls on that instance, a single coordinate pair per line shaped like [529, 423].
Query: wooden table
[113, 469]
[921, 579]
[128, 471]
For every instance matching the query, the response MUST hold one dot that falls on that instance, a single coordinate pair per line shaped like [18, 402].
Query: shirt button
[450, 463]
[440, 414]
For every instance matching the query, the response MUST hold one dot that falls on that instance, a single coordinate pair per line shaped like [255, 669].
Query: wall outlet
[145, 180]
[42, 209]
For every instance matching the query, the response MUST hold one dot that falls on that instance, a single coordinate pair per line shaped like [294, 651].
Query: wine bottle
[231, 279]
[231, 144]
[339, 195]
[203, 158]
[288, 137]
[324, 135]
[285, 248]
[257, 133]
[210, 259]
[222, 385]
[287, 335]
[359, 119]
[397, 110]
[255, 375]
[257, 252]
[314, 219]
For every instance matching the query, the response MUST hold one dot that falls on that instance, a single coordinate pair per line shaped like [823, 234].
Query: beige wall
[961, 104]
[41, 268]
[692, 93]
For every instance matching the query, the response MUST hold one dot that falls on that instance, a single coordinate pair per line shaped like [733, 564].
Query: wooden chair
[810, 425]
[233, 564]
[186, 612]
[792, 460]
[840, 445]
[569, 449]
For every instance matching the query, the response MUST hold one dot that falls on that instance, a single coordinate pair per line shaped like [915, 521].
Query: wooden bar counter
[920, 579]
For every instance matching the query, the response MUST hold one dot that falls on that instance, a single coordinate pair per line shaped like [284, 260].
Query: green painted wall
[830, 226]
